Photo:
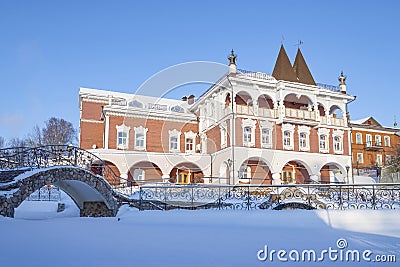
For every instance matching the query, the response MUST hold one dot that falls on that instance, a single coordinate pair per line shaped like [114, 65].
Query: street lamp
[347, 170]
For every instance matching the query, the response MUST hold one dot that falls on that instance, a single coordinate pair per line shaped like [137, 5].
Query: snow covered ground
[194, 238]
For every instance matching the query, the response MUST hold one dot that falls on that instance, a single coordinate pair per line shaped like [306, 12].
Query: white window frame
[378, 140]
[323, 132]
[388, 158]
[251, 125]
[306, 131]
[360, 158]
[266, 137]
[387, 140]
[359, 138]
[123, 129]
[289, 128]
[190, 136]
[379, 159]
[174, 134]
[224, 134]
[368, 140]
[140, 131]
[139, 173]
[338, 146]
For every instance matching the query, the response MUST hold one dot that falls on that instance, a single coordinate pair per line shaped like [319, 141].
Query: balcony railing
[300, 114]
[256, 75]
[329, 87]
[373, 145]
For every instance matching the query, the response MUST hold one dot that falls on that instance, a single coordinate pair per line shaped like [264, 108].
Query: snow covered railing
[252, 197]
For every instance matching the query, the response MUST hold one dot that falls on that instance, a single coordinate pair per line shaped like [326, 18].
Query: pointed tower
[232, 62]
[283, 68]
[301, 70]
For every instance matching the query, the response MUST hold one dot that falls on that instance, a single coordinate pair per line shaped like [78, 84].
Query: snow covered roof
[360, 121]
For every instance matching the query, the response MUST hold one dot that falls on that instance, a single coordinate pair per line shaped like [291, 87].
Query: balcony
[373, 146]
[300, 114]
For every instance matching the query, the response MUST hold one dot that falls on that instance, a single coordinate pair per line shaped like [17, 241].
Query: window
[387, 140]
[287, 138]
[190, 142]
[379, 159]
[173, 143]
[304, 133]
[368, 140]
[360, 158]
[358, 138]
[287, 135]
[139, 174]
[378, 140]
[248, 126]
[323, 142]
[122, 136]
[338, 141]
[245, 172]
[387, 159]
[323, 135]
[266, 134]
[174, 137]
[140, 137]
[287, 177]
[337, 144]
[247, 134]
[266, 137]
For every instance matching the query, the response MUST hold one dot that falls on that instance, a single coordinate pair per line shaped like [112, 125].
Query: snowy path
[195, 238]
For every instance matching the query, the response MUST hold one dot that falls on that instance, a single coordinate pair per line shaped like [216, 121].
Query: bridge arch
[91, 193]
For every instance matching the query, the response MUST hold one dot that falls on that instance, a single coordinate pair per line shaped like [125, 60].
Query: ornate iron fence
[46, 193]
[56, 155]
[308, 196]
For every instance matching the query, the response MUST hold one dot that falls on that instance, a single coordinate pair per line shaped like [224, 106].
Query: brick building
[373, 145]
[249, 127]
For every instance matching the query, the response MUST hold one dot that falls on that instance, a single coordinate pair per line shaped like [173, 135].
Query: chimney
[342, 83]
[190, 99]
[184, 98]
[232, 62]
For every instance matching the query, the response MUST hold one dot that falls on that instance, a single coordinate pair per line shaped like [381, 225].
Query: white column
[276, 178]
[106, 131]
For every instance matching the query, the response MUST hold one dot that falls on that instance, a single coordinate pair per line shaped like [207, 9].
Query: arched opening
[321, 109]
[336, 112]
[332, 173]
[295, 172]
[243, 99]
[47, 202]
[144, 172]
[265, 101]
[255, 171]
[294, 101]
[186, 173]
[228, 100]
[111, 176]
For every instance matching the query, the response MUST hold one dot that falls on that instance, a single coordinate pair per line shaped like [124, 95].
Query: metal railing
[56, 155]
[329, 87]
[256, 75]
[263, 197]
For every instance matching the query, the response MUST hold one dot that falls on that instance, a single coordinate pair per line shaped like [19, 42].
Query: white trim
[123, 129]
[361, 139]
[290, 128]
[384, 140]
[252, 124]
[306, 130]
[190, 135]
[140, 130]
[325, 132]
[177, 134]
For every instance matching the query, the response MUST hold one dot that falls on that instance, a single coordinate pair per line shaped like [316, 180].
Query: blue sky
[49, 49]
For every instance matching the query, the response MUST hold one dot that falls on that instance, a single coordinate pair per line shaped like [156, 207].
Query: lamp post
[347, 171]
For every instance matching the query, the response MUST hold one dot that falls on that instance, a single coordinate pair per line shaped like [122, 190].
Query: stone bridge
[83, 176]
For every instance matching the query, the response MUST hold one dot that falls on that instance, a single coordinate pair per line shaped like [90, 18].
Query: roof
[283, 69]
[301, 69]
[366, 121]
[299, 72]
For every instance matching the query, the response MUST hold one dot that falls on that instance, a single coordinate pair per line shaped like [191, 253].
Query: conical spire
[301, 70]
[283, 68]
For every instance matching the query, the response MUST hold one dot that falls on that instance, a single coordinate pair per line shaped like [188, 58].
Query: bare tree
[2, 141]
[17, 142]
[35, 138]
[58, 132]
